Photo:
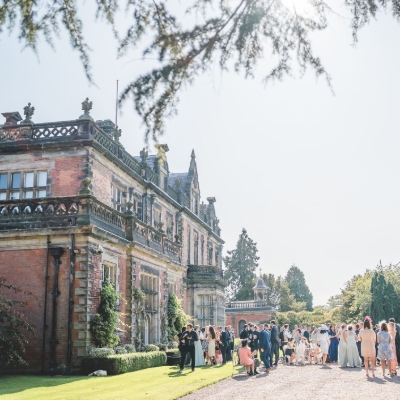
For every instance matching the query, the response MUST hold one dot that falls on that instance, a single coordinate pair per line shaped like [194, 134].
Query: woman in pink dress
[245, 358]
[392, 331]
[368, 337]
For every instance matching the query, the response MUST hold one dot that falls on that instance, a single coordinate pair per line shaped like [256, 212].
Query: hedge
[121, 363]
[173, 352]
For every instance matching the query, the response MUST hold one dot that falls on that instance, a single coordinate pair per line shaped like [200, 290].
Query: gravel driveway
[304, 382]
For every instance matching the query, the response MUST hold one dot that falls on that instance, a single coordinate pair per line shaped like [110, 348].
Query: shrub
[100, 352]
[120, 350]
[173, 352]
[105, 322]
[162, 346]
[122, 363]
[173, 345]
[130, 348]
[150, 347]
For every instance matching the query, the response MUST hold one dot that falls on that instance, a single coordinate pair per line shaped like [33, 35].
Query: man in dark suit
[274, 342]
[226, 344]
[245, 333]
[187, 340]
[397, 338]
[264, 345]
[250, 340]
[232, 341]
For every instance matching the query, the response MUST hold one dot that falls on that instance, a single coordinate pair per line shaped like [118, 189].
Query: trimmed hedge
[122, 363]
[173, 352]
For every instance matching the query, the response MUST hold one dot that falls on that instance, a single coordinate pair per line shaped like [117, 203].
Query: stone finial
[193, 155]
[178, 183]
[28, 112]
[86, 107]
[86, 183]
[144, 154]
[129, 206]
[161, 157]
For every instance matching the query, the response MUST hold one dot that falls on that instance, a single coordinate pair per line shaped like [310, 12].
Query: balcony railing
[249, 304]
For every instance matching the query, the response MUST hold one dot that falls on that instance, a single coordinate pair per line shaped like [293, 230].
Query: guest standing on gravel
[367, 336]
[264, 347]
[188, 338]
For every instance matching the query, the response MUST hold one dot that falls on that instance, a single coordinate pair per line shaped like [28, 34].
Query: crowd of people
[349, 345]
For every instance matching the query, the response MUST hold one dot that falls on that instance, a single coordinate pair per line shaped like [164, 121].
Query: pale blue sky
[313, 177]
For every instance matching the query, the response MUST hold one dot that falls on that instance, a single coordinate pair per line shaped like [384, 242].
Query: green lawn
[153, 383]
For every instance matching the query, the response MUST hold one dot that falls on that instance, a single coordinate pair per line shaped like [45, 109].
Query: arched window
[241, 326]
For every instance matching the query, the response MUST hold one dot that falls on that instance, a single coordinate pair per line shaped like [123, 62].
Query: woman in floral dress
[385, 352]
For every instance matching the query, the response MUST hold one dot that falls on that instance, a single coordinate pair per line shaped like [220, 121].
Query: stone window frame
[171, 287]
[118, 196]
[149, 284]
[204, 317]
[22, 190]
[157, 212]
[111, 260]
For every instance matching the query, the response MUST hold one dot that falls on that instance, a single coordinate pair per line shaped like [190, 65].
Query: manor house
[76, 209]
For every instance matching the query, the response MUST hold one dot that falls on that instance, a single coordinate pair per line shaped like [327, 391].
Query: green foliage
[310, 318]
[150, 347]
[172, 345]
[105, 322]
[241, 265]
[130, 348]
[99, 352]
[120, 350]
[122, 363]
[176, 317]
[279, 295]
[376, 293]
[14, 325]
[298, 287]
[139, 311]
[189, 38]
[162, 346]
[173, 352]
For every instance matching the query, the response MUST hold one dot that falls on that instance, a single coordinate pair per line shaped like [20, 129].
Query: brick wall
[101, 181]
[233, 319]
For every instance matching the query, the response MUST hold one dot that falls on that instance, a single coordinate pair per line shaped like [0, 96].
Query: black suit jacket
[225, 338]
[244, 334]
[274, 334]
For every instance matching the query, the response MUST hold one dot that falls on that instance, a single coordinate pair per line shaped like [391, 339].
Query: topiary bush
[173, 345]
[99, 352]
[162, 346]
[130, 348]
[120, 350]
[150, 347]
[173, 353]
[122, 363]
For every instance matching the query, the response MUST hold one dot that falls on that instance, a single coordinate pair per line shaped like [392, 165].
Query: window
[137, 206]
[206, 307]
[23, 185]
[170, 226]
[108, 272]
[149, 285]
[157, 216]
[171, 288]
[196, 248]
[116, 198]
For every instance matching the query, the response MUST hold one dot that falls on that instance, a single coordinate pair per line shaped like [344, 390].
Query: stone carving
[143, 155]
[117, 134]
[86, 186]
[28, 112]
[161, 157]
[86, 107]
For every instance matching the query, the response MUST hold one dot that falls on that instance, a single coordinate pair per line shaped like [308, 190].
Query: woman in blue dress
[333, 347]
[385, 352]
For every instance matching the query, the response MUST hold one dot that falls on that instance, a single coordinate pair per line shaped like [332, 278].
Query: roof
[260, 284]
[173, 177]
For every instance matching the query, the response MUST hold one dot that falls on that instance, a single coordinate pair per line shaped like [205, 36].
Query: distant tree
[391, 303]
[14, 324]
[298, 287]
[190, 37]
[241, 265]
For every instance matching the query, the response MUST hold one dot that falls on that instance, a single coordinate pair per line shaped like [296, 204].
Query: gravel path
[304, 382]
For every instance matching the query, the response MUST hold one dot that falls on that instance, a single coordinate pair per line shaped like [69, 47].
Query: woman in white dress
[353, 358]
[198, 349]
[323, 341]
[313, 337]
[211, 345]
[342, 350]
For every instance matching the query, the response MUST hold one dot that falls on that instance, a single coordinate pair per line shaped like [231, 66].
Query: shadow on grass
[18, 383]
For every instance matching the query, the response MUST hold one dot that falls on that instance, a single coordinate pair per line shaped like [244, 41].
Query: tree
[298, 287]
[378, 288]
[176, 317]
[14, 325]
[241, 265]
[105, 322]
[186, 38]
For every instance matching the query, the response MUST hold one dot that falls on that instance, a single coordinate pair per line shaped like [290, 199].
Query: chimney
[12, 118]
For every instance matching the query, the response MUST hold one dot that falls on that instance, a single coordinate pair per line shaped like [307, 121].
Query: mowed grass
[153, 383]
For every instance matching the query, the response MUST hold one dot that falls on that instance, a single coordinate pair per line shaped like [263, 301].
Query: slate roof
[260, 284]
[182, 176]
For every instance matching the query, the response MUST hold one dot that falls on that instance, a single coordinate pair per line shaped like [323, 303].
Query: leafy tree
[105, 322]
[241, 265]
[14, 325]
[378, 287]
[187, 39]
[298, 287]
[176, 317]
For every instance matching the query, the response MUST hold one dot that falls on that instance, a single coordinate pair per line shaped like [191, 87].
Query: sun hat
[323, 328]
